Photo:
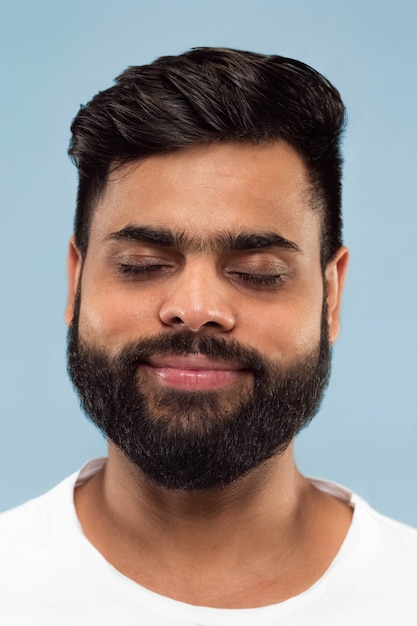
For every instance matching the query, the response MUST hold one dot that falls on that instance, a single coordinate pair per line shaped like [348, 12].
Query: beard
[198, 440]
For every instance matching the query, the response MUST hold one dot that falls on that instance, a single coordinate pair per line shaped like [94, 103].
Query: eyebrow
[224, 241]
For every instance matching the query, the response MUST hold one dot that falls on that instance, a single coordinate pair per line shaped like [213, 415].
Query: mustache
[183, 343]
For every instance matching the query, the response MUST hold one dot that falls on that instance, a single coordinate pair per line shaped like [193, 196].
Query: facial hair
[197, 440]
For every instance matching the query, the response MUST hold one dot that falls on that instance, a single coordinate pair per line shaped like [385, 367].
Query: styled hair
[210, 95]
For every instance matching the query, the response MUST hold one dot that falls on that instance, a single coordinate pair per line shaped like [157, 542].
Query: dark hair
[209, 95]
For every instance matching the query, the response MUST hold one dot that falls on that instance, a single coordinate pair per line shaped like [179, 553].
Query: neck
[151, 534]
[275, 480]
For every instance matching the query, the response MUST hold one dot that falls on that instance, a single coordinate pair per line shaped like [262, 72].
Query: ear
[335, 275]
[74, 266]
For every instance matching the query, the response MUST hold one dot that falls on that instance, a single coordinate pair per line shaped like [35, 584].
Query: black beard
[197, 440]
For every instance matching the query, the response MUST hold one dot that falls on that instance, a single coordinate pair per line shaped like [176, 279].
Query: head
[207, 266]
[205, 96]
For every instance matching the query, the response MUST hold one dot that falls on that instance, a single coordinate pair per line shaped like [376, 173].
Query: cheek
[286, 332]
[112, 318]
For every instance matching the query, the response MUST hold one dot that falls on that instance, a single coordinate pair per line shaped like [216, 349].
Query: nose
[198, 300]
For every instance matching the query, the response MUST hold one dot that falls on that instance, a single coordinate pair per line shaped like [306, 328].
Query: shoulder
[42, 523]
[395, 541]
[22, 516]
[31, 526]
[374, 538]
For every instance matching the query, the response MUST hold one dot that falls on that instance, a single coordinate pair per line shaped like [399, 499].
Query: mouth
[193, 372]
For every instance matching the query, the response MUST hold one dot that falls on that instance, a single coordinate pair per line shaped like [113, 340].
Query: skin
[270, 535]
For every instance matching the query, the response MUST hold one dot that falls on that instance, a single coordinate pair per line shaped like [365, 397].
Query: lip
[192, 372]
[192, 362]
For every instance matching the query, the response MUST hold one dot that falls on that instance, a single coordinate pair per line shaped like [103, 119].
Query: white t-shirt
[51, 575]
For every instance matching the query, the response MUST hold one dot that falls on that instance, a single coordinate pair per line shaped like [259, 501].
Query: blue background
[56, 55]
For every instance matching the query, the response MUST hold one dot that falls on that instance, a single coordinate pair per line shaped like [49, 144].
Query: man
[205, 279]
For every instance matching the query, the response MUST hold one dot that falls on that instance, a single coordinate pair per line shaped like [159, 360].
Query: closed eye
[142, 270]
[259, 279]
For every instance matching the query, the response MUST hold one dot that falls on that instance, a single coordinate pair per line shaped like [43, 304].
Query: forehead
[203, 191]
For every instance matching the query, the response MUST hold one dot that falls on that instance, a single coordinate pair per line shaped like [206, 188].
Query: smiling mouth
[193, 372]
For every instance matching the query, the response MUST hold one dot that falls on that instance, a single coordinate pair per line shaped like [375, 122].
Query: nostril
[195, 316]
[212, 324]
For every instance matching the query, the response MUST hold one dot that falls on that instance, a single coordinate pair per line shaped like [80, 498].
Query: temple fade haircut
[210, 95]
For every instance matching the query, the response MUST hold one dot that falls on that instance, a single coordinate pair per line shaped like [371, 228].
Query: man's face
[202, 315]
